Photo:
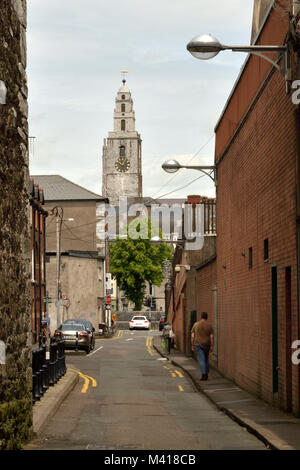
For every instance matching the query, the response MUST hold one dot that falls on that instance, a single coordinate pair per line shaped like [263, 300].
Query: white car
[139, 321]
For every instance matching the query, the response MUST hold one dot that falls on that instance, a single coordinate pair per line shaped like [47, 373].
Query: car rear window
[72, 326]
[139, 318]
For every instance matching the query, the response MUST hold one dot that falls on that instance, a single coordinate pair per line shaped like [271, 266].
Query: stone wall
[15, 321]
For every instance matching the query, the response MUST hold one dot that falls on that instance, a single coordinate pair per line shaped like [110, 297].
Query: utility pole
[58, 213]
[59, 219]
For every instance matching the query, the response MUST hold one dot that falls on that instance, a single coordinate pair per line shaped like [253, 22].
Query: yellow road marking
[149, 345]
[118, 335]
[180, 388]
[86, 379]
[94, 382]
[173, 375]
[179, 374]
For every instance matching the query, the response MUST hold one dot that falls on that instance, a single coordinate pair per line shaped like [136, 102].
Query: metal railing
[210, 218]
[47, 371]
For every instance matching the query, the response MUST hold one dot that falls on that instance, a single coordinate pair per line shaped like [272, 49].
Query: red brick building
[257, 159]
[194, 281]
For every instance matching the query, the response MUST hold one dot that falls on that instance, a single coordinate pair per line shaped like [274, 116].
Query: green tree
[136, 260]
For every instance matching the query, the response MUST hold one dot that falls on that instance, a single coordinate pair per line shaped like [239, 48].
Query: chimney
[194, 199]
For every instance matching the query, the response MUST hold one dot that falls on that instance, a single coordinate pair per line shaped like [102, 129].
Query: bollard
[36, 391]
[52, 363]
[45, 385]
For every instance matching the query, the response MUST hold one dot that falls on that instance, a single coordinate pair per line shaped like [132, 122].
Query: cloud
[76, 50]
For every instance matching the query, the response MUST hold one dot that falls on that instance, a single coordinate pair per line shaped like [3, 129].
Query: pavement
[277, 429]
[49, 403]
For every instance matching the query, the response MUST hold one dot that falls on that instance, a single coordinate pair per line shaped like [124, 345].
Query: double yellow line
[149, 346]
[117, 336]
[86, 379]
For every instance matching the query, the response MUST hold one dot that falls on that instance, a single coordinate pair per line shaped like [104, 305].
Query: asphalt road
[128, 398]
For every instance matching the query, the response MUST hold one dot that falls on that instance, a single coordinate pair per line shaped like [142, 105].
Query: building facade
[15, 312]
[191, 288]
[257, 159]
[73, 233]
[37, 221]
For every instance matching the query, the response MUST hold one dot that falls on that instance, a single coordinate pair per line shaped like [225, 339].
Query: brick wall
[206, 279]
[256, 200]
[15, 320]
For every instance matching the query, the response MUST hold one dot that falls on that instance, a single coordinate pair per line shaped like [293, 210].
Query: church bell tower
[122, 152]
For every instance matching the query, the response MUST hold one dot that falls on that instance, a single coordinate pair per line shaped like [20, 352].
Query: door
[274, 329]
[288, 337]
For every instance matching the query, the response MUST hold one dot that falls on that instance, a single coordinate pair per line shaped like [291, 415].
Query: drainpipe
[297, 133]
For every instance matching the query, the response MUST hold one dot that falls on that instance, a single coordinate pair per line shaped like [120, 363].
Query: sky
[76, 50]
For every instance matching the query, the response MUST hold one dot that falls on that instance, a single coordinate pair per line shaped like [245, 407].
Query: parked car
[162, 322]
[75, 336]
[139, 321]
[88, 326]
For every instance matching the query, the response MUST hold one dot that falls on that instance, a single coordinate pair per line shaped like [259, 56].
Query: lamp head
[171, 166]
[204, 47]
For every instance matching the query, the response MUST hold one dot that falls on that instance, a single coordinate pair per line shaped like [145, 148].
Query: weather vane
[123, 72]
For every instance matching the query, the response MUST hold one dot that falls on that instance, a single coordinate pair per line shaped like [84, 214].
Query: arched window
[123, 97]
[123, 107]
[122, 151]
[123, 125]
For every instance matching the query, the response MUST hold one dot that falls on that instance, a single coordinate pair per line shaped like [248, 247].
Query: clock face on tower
[122, 164]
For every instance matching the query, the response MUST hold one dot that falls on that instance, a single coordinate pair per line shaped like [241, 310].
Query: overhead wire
[189, 161]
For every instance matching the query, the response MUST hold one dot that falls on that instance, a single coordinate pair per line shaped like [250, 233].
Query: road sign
[107, 307]
[48, 300]
[108, 299]
[66, 301]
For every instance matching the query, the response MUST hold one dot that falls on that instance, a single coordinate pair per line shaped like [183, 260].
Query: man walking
[202, 339]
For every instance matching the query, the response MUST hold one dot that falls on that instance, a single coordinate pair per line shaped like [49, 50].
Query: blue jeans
[203, 355]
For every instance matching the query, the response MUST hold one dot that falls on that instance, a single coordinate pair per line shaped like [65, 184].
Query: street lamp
[172, 166]
[206, 46]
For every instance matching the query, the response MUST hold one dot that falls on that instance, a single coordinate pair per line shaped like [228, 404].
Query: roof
[58, 188]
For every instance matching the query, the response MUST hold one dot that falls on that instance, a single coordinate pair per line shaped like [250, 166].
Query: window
[123, 125]
[250, 258]
[266, 249]
[123, 97]
[123, 107]
[122, 151]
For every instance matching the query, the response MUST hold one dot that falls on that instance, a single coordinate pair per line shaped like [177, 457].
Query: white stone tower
[122, 152]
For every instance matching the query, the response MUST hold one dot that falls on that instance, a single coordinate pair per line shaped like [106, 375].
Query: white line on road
[90, 354]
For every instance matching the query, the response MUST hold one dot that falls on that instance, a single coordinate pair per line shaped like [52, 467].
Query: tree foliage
[134, 261]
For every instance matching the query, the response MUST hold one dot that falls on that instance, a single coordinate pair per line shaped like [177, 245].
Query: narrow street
[127, 398]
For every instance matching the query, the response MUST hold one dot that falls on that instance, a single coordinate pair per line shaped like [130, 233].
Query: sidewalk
[52, 399]
[277, 429]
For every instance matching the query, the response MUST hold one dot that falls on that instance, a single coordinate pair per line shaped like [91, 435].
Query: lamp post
[172, 166]
[206, 46]
[58, 212]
